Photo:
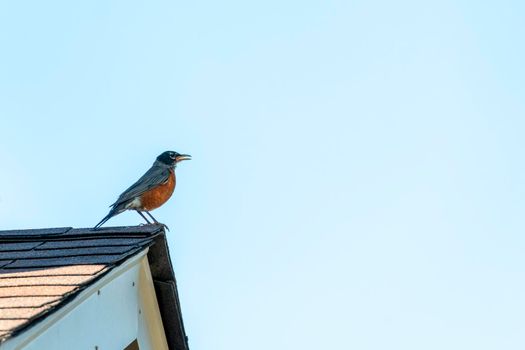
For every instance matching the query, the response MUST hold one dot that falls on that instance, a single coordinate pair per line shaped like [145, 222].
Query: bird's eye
[172, 155]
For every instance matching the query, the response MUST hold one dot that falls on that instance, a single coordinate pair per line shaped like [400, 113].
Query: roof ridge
[24, 235]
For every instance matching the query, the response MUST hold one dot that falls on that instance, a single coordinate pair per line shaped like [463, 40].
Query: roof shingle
[40, 270]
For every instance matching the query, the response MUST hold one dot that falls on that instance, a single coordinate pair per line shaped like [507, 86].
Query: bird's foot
[165, 226]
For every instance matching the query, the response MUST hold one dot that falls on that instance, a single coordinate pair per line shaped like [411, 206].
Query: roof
[42, 270]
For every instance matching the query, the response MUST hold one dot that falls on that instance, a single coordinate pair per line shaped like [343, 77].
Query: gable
[44, 271]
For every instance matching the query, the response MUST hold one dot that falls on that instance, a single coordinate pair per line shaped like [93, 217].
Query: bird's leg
[145, 218]
[151, 216]
[155, 220]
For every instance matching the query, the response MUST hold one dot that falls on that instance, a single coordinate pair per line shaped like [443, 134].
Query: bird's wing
[155, 176]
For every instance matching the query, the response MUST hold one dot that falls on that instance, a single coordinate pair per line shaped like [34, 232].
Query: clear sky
[357, 179]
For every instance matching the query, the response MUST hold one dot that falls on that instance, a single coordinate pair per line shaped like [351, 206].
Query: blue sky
[357, 181]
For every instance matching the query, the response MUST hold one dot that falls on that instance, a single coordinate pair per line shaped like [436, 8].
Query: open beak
[182, 157]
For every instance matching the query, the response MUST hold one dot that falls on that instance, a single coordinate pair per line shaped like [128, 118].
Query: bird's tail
[111, 213]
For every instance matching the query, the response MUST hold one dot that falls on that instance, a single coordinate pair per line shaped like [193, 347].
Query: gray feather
[156, 175]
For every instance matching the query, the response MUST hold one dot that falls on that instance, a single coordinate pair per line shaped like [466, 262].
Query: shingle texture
[42, 270]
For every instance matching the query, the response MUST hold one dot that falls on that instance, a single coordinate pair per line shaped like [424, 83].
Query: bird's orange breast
[157, 196]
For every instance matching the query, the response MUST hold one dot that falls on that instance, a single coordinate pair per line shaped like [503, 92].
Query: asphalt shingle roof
[41, 270]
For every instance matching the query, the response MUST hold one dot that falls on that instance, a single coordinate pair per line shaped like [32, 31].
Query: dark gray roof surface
[41, 270]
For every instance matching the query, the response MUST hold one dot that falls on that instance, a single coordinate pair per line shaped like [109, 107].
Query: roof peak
[70, 232]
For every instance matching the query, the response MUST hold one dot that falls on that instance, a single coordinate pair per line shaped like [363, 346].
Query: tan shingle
[41, 269]
[7, 325]
[35, 290]
[75, 270]
[74, 280]
[24, 312]
[26, 301]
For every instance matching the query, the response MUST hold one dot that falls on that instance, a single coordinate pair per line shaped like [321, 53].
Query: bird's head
[171, 158]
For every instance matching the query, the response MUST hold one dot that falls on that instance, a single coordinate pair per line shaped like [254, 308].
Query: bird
[151, 191]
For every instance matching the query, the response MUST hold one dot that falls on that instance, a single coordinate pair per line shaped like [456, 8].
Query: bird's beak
[182, 157]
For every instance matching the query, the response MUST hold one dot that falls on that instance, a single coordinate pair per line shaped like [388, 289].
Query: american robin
[151, 191]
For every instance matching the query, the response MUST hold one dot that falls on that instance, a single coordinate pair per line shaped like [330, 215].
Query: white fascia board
[151, 335]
